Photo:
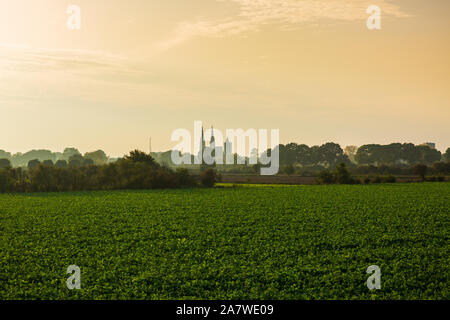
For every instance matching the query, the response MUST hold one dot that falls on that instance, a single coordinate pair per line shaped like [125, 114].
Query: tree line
[370, 159]
[68, 156]
[395, 158]
[135, 171]
[330, 154]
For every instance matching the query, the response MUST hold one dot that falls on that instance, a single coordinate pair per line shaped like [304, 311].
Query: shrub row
[341, 175]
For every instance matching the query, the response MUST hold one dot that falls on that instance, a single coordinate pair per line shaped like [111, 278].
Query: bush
[325, 177]
[184, 178]
[420, 170]
[389, 179]
[208, 178]
[439, 178]
[256, 168]
[342, 175]
[289, 169]
[441, 168]
[377, 179]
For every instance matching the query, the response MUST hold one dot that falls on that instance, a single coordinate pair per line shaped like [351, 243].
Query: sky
[144, 68]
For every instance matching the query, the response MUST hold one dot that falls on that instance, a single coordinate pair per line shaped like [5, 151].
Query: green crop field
[267, 242]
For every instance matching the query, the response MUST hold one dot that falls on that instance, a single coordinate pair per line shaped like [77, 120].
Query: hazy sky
[141, 68]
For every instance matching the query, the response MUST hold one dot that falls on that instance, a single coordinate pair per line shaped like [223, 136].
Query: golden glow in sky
[143, 68]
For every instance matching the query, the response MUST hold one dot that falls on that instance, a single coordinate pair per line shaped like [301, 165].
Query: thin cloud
[25, 58]
[32, 73]
[286, 14]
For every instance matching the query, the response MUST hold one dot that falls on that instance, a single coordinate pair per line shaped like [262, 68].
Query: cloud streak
[38, 73]
[29, 59]
[252, 15]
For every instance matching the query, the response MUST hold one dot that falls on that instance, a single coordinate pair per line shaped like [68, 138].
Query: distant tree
[61, 164]
[57, 156]
[76, 160]
[330, 153]
[6, 181]
[16, 160]
[139, 156]
[365, 153]
[447, 155]
[429, 155]
[390, 154]
[47, 163]
[99, 157]
[409, 154]
[21, 160]
[396, 153]
[78, 157]
[88, 162]
[377, 154]
[254, 154]
[288, 154]
[304, 155]
[43, 179]
[312, 155]
[75, 163]
[5, 163]
[32, 164]
[420, 170]
[5, 155]
[288, 169]
[69, 152]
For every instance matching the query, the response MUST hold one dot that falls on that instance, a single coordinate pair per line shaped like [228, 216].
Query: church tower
[202, 146]
[212, 144]
[203, 141]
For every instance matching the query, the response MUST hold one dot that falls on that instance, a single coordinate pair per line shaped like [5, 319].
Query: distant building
[225, 150]
[228, 147]
[211, 149]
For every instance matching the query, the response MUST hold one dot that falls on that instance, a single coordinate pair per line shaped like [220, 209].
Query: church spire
[203, 140]
[212, 142]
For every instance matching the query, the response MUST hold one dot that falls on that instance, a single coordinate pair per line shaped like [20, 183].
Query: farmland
[248, 242]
